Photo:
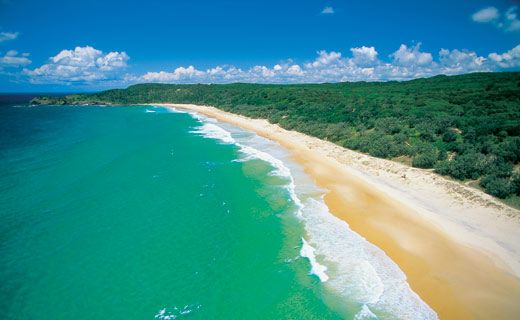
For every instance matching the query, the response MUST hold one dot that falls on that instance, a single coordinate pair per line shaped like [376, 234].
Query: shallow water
[142, 213]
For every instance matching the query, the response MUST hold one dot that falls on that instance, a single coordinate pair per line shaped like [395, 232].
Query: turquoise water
[145, 213]
[115, 213]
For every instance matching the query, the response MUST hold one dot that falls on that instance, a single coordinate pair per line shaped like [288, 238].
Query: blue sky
[91, 45]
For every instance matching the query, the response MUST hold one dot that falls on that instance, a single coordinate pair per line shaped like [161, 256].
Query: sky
[89, 45]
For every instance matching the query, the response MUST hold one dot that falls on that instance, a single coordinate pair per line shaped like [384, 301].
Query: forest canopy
[466, 127]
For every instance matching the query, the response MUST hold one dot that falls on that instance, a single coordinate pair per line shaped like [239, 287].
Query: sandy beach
[459, 247]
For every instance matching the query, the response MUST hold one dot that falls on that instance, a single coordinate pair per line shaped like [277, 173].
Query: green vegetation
[466, 127]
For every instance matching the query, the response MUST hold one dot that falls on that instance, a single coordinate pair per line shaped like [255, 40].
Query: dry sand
[459, 247]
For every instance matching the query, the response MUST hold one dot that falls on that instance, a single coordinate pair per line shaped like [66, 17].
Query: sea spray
[362, 272]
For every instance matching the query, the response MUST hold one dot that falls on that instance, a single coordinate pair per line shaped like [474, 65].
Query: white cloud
[6, 36]
[364, 55]
[461, 61]
[508, 21]
[295, 70]
[264, 71]
[219, 74]
[12, 59]
[407, 62]
[89, 66]
[509, 59]
[325, 58]
[412, 56]
[327, 10]
[486, 15]
[364, 64]
[83, 64]
[180, 73]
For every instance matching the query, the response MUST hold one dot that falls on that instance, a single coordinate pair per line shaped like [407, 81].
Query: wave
[22, 106]
[365, 314]
[351, 266]
[212, 131]
[172, 110]
[362, 272]
[317, 269]
[176, 312]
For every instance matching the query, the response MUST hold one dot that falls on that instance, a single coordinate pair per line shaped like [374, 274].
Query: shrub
[466, 166]
[425, 159]
[497, 186]
[380, 145]
[443, 167]
[389, 125]
[499, 167]
[449, 136]
[515, 183]
[510, 149]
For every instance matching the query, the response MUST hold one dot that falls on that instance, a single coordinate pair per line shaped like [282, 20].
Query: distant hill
[466, 126]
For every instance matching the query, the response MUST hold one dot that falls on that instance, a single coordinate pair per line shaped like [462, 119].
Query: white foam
[212, 131]
[363, 272]
[280, 169]
[251, 153]
[317, 269]
[176, 312]
[149, 111]
[365, 314]
[173, 110]
[356, 269]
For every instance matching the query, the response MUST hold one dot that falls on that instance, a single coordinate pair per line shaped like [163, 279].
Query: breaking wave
[346, 263]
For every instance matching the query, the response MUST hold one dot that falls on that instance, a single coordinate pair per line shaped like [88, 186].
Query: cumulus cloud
[325, 58]
[180, 73]
[327, 10]
[461, 61]
[6, 36]
[90, 66]
[12, 59]
[219, 74]
[486, 15]
[83, 64]
[406, 56]
[407, 62]
[508, 21]
[509, 59]
[295, 70]
[364, 55]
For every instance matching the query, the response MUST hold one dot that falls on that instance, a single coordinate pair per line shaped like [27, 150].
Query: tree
[449, 136]
[515, 183]
[470, 165]
[426, 158]
[497, 186]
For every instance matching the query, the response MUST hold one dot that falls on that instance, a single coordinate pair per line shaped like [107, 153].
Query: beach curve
[461, 269]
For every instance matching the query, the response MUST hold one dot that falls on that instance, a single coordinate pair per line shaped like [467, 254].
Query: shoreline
[458, 247]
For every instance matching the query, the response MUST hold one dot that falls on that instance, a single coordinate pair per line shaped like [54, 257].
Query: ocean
[144, 212]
